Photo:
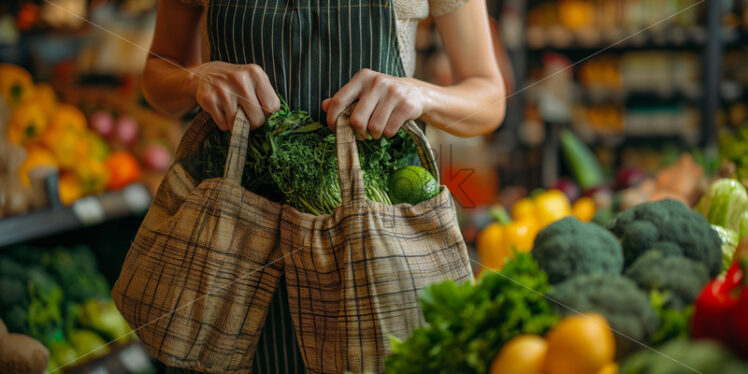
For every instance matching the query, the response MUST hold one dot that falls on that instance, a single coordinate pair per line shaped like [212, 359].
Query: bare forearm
[169, 87]
[475, 106]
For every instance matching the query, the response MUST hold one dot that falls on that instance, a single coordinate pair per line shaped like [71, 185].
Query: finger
[227, 107]
[380, 117]
[346, 95]
[362, 112]
[325, 104]
[217, 114]
[268, 98]
[396, 120]
[254, 112]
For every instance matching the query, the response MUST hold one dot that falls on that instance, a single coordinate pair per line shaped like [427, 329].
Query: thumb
[325, 104]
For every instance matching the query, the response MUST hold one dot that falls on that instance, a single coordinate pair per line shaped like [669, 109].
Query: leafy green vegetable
[293, 158]
[674, 323]
[733, 146]
[77, 273]
[469, 323]
[726, 204]
[44, 314]
[684, 356]
[730, 242]
[103, 316]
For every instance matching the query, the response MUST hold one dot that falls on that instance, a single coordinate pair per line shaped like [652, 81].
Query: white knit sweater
[408, 13]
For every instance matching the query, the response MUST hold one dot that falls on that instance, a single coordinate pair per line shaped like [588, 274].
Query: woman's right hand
[221, 88]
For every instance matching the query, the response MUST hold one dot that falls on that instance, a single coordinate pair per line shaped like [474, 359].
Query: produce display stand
[92, 220]
[88, 211]
[130, 358]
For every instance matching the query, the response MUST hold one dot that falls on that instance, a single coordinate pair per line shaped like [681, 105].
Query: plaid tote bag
[202, 269]
[353, 276]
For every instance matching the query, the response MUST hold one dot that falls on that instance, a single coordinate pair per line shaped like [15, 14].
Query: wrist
[425, 94]
[192, 82]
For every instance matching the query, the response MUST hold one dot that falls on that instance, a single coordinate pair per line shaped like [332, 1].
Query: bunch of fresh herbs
[469, 323]
[293, 159]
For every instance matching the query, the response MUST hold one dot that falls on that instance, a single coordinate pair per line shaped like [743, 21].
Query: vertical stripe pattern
[350, 278]
[308, 48]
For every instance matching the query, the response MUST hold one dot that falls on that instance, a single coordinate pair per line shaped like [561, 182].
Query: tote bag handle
[349, 169]
[237, 154]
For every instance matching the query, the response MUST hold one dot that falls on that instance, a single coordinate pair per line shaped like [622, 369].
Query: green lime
[412, 185]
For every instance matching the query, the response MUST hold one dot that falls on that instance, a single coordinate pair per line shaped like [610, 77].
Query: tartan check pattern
[356, 279]
[195, 285]
[202, 270]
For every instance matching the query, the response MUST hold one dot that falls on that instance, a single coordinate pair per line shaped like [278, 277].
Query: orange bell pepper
[123, 169]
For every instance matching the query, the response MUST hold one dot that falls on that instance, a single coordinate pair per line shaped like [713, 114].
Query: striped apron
[309, 50]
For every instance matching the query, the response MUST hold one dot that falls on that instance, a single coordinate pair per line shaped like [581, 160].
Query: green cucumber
[583, 164]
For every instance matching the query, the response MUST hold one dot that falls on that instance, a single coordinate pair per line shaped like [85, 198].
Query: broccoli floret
[569, 247]
[85, 259]
[670, 226]
[679, 277]
[17, 320]
[11, 269]
[77, 272]
[617, 298]
[684, 356]
[13, 292]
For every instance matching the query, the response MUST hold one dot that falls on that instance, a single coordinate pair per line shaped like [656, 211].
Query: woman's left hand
[384, 103]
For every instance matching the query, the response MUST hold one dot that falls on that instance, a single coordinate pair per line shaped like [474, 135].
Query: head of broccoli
[617, 298]
[569, 247]
[672, 227]
[677, 276]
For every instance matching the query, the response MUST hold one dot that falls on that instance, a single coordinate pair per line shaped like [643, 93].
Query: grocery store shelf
[91, 210]
[130, 358]
[563, 40]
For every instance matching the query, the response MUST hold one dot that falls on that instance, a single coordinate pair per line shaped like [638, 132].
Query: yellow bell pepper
[490, 245]
[62, 142]
[35, 156]
[68, 116]
[27, 123]
[523, 208]
[16, 85]
[93, 174]
[44, 95]
[70, 188]
[584, 209]
[520, 235]
[551, 206]
[497, 242]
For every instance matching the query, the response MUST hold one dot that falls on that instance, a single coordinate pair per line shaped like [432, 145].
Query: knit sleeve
[441, 7]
